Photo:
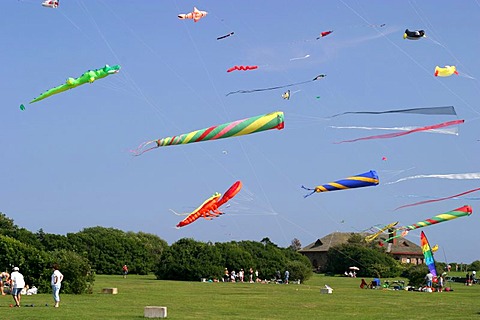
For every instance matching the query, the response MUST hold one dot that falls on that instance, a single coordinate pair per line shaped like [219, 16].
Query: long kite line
[278, 87]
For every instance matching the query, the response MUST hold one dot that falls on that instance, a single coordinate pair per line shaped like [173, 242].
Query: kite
[448, 110]
[456, 213]
[88, 77]
[414, 35]
[286, 95]
[209, 208]
[398, 134]
[273, 120]
[435, 248]
[244, 68]
[435, 200]
[278, 87]
[195, 15]
[372, 237]
[453, 176]
[366, 179]
[446, 71]
[226, 36]
[428, 254]
[51, 3]
[324, 34]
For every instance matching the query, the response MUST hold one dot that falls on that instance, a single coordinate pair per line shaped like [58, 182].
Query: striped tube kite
[447, 71]
[456, 213]
[273, 120]
[428, 254]
[366, 179]
[209, 208]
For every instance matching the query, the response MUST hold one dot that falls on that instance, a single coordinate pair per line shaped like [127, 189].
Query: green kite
[88, 77]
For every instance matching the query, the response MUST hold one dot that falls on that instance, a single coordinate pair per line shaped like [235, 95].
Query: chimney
[392, 232]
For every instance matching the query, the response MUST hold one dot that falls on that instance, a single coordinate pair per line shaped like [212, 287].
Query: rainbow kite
[428, 254]
[366, 179]
[273, 120]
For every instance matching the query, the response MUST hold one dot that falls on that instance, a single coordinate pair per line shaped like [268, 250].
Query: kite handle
[141, 149]
[307, 195]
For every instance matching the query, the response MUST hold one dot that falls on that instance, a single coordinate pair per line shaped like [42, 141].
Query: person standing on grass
[18, 282]
[287, 275]
[429, 278]
[125, 270]
[4, 278]
[57, 278]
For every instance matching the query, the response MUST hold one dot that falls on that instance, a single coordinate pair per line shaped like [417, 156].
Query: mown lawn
[197, 300]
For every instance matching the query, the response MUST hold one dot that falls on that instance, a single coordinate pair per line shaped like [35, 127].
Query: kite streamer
[453, 176]
[226, 36]
[274, 120]
[435, 200]
[428, 254]
[398, 134]
[448, 110]
[278, 87]
[372, 237]
[453, 130]
[244, 68]
[366, 179]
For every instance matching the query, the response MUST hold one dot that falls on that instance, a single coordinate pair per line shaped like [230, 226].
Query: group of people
[17, 285]
[471, 278]
[253, 277]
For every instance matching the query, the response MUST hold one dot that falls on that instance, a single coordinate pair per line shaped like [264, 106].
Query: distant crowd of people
[253, 276]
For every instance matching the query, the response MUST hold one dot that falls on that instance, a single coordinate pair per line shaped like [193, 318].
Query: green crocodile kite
[88, 77]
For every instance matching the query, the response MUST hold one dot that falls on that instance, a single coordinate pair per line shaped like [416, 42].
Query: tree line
[100, 250]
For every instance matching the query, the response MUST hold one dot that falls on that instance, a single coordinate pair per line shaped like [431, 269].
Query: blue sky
[66, 162]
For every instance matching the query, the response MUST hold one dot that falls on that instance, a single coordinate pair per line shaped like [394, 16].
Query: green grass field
[197, 300]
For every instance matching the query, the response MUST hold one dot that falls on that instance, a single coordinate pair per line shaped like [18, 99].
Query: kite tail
[142, 148]
[309, 194]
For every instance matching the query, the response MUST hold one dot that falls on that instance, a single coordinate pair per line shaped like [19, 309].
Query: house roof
[401, 245]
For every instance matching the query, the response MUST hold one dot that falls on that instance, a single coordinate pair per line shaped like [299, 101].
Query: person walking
[287, 275]
[18, 282]
[57, 278]
[125, 270]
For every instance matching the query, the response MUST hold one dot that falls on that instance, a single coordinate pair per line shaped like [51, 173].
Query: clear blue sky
[66, 163]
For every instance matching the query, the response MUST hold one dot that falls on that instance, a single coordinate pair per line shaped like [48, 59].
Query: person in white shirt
[57, 278]
[18, 282]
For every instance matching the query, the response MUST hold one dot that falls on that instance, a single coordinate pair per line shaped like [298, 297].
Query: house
[401, 249]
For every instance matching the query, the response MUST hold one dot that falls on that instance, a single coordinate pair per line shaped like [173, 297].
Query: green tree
[77, 274]
[372, 262]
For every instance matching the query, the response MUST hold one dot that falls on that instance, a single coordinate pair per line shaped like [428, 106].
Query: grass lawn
[197, 300]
